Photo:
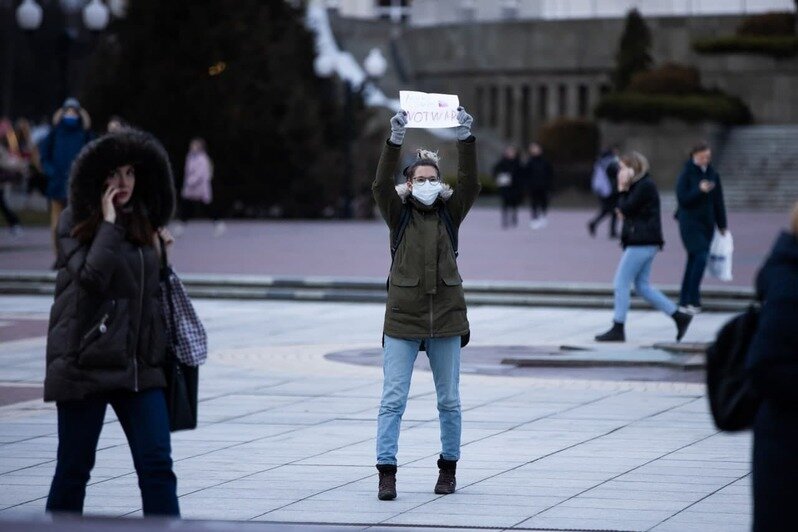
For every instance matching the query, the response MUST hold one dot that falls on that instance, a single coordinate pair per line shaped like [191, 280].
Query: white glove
[398, 125]
[465, 120]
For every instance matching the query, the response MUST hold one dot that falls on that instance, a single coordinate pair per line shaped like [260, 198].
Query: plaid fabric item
[184, 327]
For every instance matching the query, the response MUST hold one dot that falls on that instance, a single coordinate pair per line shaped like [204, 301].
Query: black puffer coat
[641, 214]
[106, 330]
[773, 365]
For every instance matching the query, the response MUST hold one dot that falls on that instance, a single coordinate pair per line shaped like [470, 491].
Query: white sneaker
[534, 224]
[543, 222]
[691, 309]
[219, 229]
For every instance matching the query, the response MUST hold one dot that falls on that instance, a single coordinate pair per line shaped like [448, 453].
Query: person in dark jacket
[70, 132]
[773, 365]
[106, 342]
[536, 175]
[426, 306]
[506, 177]
[641, 238]
[605, 186]
[701, 208]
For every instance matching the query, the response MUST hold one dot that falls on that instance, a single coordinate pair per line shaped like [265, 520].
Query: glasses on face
[420, 180]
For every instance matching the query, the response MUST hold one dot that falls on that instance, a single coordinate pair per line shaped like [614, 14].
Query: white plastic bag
[720, 256]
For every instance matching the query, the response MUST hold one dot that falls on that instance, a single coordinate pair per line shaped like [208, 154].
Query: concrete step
[368, 290]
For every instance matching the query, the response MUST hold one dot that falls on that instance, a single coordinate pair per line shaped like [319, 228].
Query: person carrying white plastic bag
[720, 256]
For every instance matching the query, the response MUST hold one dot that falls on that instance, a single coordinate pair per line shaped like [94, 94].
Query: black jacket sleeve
[91, 265]
[636, 199]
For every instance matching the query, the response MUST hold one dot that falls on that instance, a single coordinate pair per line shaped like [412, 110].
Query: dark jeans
[693, 274]
[607, 207]
[11, 218]
[145, 420]
[539, 202]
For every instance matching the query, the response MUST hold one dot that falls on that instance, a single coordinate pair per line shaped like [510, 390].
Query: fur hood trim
[404, 192]
[154, 183]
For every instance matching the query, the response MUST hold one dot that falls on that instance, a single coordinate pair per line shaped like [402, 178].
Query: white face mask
[427, 193]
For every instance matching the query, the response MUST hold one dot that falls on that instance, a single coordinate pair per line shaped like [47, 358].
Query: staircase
[759, 167]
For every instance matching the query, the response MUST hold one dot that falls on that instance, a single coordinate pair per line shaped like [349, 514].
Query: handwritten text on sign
[429, 110]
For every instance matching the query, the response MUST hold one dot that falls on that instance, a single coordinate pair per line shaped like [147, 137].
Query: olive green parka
[425, 290]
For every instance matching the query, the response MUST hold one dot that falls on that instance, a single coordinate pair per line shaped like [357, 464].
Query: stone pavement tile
[615, 524]
[11, 432]
[199, 507]
[622, 503]
[235, 405]
[695, 520]
[627, 491]
[33, 509]
[20, 495]
[433, 519]
[341, 516]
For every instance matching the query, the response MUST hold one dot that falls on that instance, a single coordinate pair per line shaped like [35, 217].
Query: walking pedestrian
[641, 238]
[700, 210]
[12, 169]
[106, 343]
[197, 192]
[70, 132]
[604, 183]
[505, 175]
[773, 364]
[537, 177]
[426, 307]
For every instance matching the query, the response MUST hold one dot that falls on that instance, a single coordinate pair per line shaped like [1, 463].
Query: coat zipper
[141, 316]
[101, 326]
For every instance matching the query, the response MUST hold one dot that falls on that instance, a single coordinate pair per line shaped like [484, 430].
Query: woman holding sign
[426, 307]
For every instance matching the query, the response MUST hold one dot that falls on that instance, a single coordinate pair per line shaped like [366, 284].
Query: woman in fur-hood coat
[106, 339]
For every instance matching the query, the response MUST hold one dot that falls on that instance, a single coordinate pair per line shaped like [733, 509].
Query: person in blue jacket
[70, 132]
[772, 363]
[701, 208]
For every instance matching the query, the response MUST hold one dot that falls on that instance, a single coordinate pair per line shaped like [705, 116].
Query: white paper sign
[429, 110]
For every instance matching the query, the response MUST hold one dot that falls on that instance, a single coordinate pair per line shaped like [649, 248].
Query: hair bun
[423, 154]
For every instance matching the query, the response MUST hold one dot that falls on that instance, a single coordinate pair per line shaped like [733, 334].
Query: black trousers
[11, 217]
[538, 202]
[607, 207]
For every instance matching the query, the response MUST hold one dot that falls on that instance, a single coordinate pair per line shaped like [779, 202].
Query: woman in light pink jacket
[197, 192]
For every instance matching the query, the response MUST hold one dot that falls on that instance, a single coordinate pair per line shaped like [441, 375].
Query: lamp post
[375, 66]
[29, 16]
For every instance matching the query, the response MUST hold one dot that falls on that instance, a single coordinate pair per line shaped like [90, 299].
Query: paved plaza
[286, 434]
[563, 252]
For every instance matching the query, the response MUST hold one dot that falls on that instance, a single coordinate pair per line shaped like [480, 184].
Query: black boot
[387, 489]
[615, 334]
[446, 477]
[591, 229]
[682, 320]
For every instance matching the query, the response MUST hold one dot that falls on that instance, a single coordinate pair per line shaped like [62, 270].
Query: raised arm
[384, 190]
[467, 188]
[686, 194]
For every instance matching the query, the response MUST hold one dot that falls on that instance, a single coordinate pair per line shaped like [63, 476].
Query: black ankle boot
[615, 334]
[446, 477]
[387, 487]
[682, 320]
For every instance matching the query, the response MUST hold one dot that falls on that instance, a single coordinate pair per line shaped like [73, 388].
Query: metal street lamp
[375, 66]
[29, 16]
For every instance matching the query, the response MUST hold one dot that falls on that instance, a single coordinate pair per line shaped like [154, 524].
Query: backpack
[600, 182]
[731, 397]
[404, 221]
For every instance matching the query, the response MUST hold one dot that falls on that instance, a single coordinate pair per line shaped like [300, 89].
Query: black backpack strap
[446, 217]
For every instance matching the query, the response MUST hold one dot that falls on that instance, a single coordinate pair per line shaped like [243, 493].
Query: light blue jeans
[444, 359]
[635, 268]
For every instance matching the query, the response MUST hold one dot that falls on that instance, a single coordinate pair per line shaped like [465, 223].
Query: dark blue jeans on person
[693, 274]
[145, 420]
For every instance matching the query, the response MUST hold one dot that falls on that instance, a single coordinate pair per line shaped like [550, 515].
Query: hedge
[774, 46]
[768, 25]
[670, 78]
[710, 107]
